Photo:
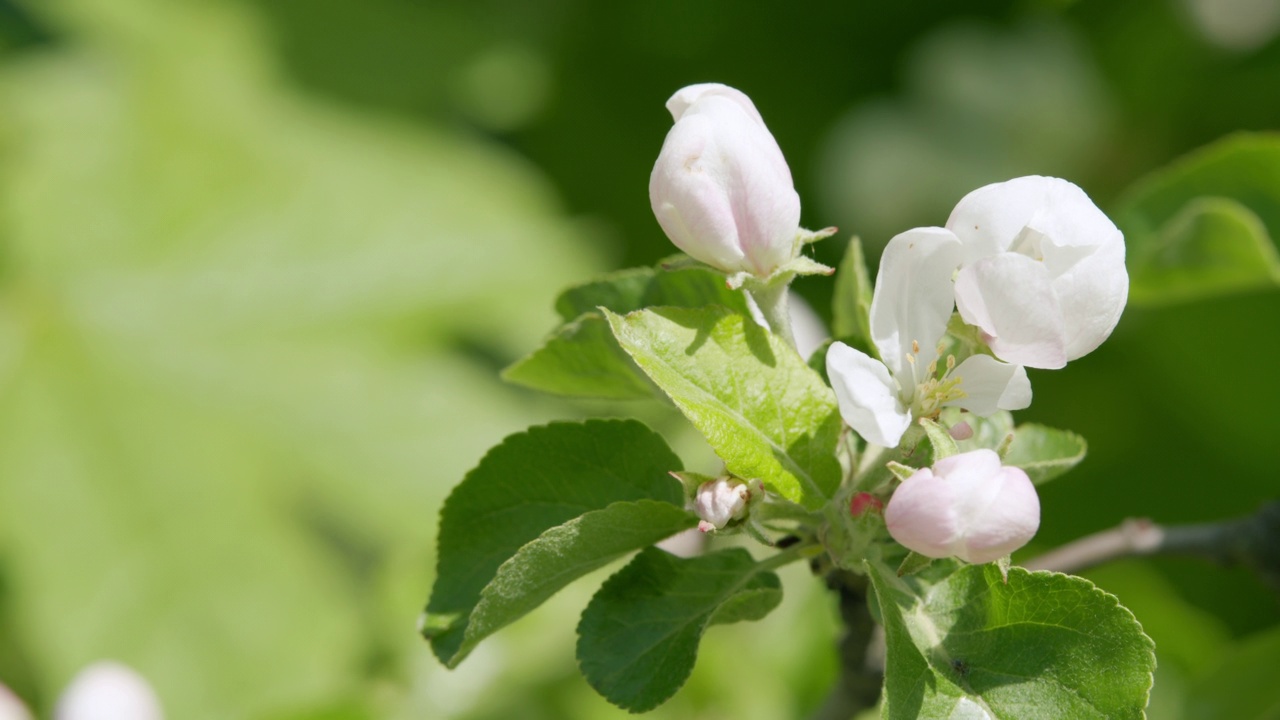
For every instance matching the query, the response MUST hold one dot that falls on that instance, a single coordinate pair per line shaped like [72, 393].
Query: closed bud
[720, 501]
[864, 502]
[721, 189]
[967, 506]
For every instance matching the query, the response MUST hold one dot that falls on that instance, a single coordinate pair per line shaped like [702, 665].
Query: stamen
[915, 347]
[951, 363]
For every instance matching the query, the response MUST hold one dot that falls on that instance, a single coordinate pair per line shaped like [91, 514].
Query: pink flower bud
[864, 502]
[961, 431]
[966, 506]
[108, 691]
[719, 501]
[721, 189]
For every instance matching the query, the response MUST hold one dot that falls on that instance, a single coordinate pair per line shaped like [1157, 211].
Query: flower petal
[990, 220]
[1092, 294]
[991, 385]
[1009, 297]
[867, 395]
[913, 299]
[690, 94]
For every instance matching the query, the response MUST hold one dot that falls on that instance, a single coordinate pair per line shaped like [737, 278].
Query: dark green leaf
[532, 482]
[638, 638]
[1044, 646]
[1207, 224]
[764, 411]
[565, 553]
[581, 360]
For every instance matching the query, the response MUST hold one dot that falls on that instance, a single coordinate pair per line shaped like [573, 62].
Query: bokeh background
[261, 260]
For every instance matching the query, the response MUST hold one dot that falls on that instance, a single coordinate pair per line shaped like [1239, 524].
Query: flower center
[936, 389]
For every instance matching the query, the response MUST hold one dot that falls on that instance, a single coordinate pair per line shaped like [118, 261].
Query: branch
[1252, 541]
[858, 685]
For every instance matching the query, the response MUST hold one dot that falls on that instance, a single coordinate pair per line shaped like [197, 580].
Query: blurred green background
[260, 262]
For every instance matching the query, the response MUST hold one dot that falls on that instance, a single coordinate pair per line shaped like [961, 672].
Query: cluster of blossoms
[1034, 270]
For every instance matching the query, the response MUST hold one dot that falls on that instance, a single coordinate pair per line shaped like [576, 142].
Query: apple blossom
[720, 501]
[1042, 274]
[108, 691]
[910, 307]
[11, 708]
[721, 189]
[967, 506]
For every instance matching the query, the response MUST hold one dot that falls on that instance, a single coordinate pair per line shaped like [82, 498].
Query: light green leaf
[565, 553]
[638, 639]
[581, 359]
[764, 411]
[1044, 646]
[940, 439]
[532, 482]
[1044, 452]
[851, 306]
[1206, 225]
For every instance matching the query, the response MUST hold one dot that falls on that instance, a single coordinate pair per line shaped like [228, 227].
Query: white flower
[720, 501]
[11, 708]
[967, 506]
[721, 189]
[108, 691]
[1043, 273]
[910, 308]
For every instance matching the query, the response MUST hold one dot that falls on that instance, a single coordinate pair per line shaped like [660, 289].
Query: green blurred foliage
[261, 261]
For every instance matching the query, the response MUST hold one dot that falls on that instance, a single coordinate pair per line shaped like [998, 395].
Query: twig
[1252, 541]
[858, 685]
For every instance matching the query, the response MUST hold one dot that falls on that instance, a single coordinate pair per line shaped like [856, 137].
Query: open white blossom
[108, 691]
[1042, 274]
[912, 303]
[967, 506]
[721, 188]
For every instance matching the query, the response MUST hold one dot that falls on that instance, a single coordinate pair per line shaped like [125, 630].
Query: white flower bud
[1043, 273]
[720, 501]
[11, 708]
[966, 506]
[721, 189]
[108, 691]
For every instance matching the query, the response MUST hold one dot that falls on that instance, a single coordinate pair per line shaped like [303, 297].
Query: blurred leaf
[227, 320]
[1243, 686]
[582, 359]
[638, 638]
[563, 554]
[1044, 452]
[1044, 645]
[1207, 224]
[765, 412]
[851, 306]
[533, 482]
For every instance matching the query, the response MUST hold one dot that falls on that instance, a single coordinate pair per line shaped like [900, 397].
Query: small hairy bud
[720, 501]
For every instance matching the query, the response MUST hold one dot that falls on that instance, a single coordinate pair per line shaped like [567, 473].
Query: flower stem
[771, 298]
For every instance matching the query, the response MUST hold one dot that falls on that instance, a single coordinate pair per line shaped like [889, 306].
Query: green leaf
[638, 638]
[940, 439]
[565, 553]
[532, 482]
[851, 306]
[581, 359]
[1044, 452]
[622, 291]
[1043, 646]
[637, 288]
[764, 411]
[1206, 225]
